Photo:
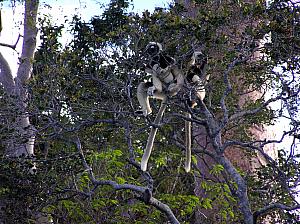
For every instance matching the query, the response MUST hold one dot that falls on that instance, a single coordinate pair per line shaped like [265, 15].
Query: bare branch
[12, 46]
[271, 207]
[164, 208]
[228, 87]
[145, 192]
[251, 145]
[254, 111]
[29, 41]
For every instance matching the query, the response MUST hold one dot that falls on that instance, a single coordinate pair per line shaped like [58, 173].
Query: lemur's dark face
[152, 49]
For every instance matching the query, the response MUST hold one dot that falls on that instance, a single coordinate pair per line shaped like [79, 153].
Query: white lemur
[196, 78]
[167, 80]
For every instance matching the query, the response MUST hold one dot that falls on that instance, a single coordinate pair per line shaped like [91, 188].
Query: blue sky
[12, 18]
[88, 8]
[92, 6]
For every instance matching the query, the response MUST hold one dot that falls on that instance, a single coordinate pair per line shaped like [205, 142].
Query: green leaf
[206, 203]
[217, 169]
[120, 180]
[117, 153]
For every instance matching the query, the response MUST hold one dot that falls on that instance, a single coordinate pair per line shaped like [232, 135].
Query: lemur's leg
[143, 98]
[175, 87]
[157, 85]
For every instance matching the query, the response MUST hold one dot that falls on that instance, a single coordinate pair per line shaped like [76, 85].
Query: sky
[57, 9]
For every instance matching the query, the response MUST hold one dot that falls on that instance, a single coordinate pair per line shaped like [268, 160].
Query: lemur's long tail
[188, 143]
[152, 135]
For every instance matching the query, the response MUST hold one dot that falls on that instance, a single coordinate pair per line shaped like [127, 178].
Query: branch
[164, 208]
[12, 46]
[274, 206]
[241, 192]
[253, 144]
[283, 178]
[129, 142]
[227, 90]
[254, 111]
[29, 42]
[147, 197]
[194, 118]
[229, 87]
[263, 106]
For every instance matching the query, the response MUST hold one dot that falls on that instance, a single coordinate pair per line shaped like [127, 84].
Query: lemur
[167, 80]
[196, 78]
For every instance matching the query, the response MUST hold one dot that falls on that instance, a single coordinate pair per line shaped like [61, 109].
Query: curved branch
[147, 197]
[164, 208]
[274, 206]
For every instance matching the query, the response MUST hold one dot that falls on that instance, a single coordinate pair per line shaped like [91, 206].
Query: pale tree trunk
[21, 139]
[23, 142]
[23, 75]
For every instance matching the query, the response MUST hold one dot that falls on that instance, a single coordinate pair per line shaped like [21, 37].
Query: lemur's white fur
[167, 80]
[198, 65]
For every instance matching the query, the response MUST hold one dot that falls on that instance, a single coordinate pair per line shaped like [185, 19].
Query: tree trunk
[21, 140]
[24, 129]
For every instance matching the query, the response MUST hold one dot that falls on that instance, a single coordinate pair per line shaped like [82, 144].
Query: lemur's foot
[192, 103]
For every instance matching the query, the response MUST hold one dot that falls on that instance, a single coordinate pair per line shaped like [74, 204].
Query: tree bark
[21, 141]
[241, 192]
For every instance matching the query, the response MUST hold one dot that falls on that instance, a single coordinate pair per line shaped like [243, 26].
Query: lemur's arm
[157, 85]
[175, 87]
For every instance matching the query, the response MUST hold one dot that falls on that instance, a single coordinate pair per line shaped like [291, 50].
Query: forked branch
[12, 46]
[146, 194]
